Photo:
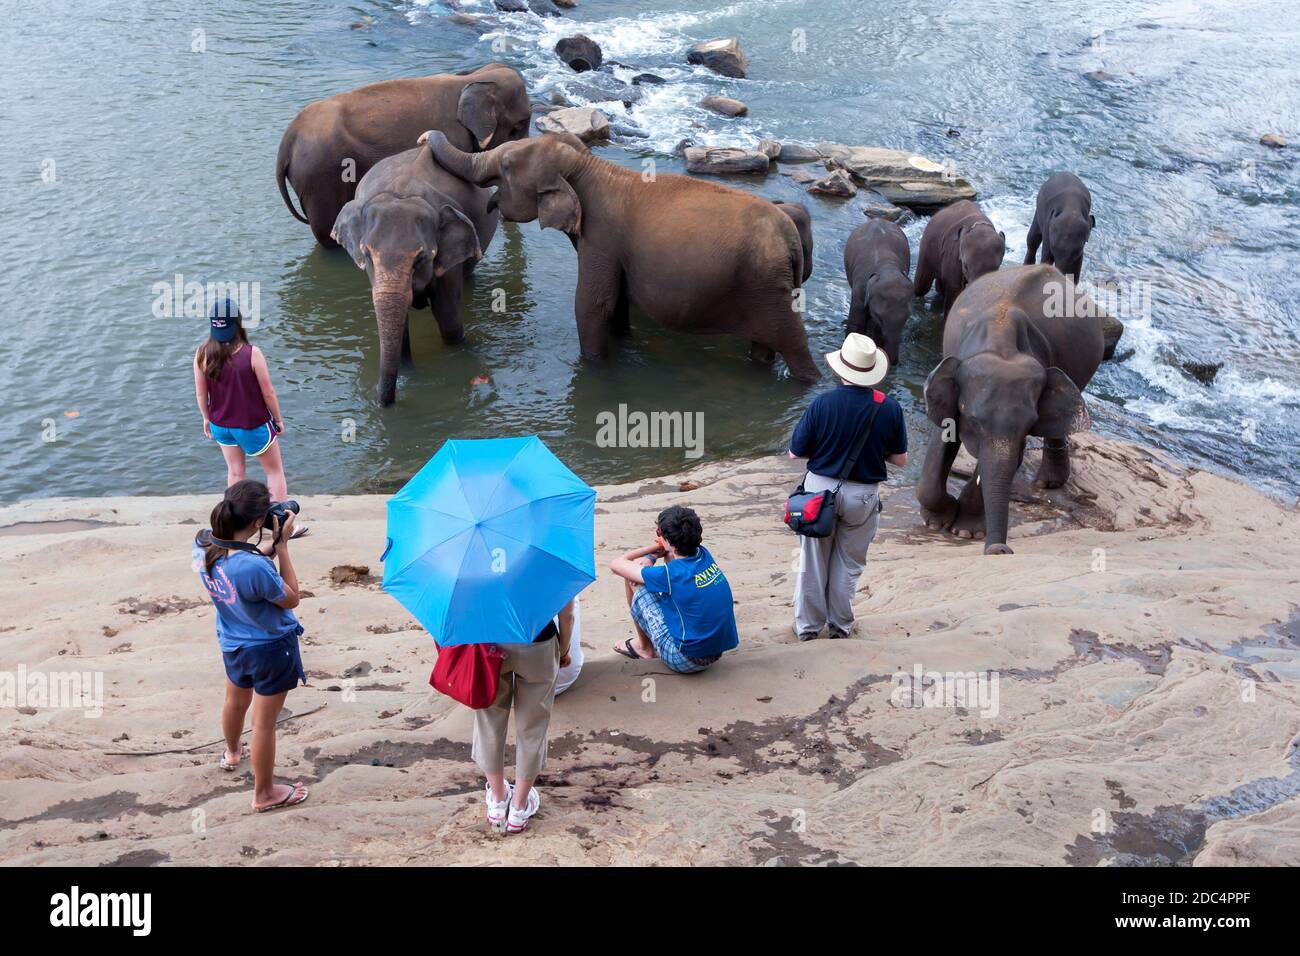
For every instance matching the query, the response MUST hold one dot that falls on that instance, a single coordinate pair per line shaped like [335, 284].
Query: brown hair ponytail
[214, 355]
[244, 503]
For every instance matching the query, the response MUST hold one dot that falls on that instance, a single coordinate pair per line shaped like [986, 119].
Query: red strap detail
[813, 508]
[877, 396]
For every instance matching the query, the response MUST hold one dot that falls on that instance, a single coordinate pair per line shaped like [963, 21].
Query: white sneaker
[497, 813]
[518, 820]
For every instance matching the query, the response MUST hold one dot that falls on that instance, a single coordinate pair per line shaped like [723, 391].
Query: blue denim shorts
[648, 612]
[254, 441]
[269, 668]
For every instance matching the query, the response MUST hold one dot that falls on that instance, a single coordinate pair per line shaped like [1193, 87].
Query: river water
[137, 143]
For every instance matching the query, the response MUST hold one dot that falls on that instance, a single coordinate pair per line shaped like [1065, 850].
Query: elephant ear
[477, 111]
[941, 391]
[1061, 410]
[347, 231]
[457, 240]
[558, 207]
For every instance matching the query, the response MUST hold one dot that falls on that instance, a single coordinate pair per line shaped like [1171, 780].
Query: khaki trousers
[528, 675]
[829, 568]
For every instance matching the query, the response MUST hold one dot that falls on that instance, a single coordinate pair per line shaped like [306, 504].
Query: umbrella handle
[388, 548]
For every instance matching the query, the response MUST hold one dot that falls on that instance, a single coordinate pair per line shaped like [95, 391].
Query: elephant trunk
[390, 314]
[476, 168]
[997, 466]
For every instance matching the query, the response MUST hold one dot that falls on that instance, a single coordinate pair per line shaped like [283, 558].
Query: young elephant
[959, 245]
[1063, 221]
[417, 231]
[876, 261]
[803, 222]
[693, 255]
[332, 143]
[1014, 363]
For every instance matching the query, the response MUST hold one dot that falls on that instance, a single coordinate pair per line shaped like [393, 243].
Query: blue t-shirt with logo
[696, 588]
[242, 587]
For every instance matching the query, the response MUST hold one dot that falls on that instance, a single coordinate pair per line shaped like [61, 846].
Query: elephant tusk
[424, 137]
[487, 141]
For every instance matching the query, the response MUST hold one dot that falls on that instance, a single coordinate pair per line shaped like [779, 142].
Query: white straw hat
[859, 361]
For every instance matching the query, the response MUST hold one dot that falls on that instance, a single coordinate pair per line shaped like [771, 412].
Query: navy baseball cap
[225, 320]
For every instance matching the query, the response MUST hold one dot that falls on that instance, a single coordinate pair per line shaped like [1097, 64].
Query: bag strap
[877, 399]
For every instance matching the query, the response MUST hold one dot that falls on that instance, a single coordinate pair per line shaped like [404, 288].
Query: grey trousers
[829, 568]
[528, 675]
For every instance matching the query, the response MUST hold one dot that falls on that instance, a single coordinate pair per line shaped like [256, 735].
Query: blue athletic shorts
[648, 612]
[254, 441]
[269, 668]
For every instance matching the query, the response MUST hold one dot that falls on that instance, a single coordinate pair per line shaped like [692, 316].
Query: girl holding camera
[256, 627]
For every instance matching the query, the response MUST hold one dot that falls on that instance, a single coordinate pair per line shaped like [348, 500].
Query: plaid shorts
[648, 612]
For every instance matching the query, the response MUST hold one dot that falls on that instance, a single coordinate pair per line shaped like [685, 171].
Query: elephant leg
[1054, 470]
[858, 316]
[620, 320]
[924, 276]
[594, 304]
[1033, 240]
[969, 522]
[406, 345]
[761, 354]
[938, 508]
[446, 306]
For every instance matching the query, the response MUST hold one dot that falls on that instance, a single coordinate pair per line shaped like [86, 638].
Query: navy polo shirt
[828, 429]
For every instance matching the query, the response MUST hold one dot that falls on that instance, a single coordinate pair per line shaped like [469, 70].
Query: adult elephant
[798, 214]
[332, 143]
[693, 255]
[417, 231]
[1019, 346]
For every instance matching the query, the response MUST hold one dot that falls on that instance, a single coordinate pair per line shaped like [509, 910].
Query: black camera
[278, 511]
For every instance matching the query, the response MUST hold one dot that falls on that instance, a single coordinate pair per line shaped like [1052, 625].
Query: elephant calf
[417, 231]
[876, 261]
[1014, 363]
[333, 143]
[959, 245]
[694, 256]
[1063, 221]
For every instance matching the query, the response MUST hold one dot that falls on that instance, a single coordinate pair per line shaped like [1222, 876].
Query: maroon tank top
[235, 400]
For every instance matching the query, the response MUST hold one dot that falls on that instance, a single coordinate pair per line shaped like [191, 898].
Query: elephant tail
[282, 174]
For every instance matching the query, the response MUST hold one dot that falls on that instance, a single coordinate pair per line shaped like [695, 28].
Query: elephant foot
[761, 354]
[968, 525]
[937, 519]
[1054, 471]
[453, 338]
[995, 548]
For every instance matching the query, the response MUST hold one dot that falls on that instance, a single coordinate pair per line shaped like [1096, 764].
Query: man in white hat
[826, 436]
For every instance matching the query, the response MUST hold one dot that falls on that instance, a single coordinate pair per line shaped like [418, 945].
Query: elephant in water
[418, 232]
[798, 214]
[1063, 221]
[332, 143]
[876, 260]
[1018, 348]
[694, 256]
[959, 245]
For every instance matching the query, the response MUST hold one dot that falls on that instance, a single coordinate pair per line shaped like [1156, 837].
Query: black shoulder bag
[812, 514]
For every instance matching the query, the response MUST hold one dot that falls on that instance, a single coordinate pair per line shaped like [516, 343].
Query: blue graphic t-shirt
[705, 622]
[242, 587]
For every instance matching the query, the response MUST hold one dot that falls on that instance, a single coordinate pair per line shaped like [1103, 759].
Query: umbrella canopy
[489, 540]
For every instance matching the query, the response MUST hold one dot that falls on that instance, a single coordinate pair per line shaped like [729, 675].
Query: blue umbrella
[489, 540]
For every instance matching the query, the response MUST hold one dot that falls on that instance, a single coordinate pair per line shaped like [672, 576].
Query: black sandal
[626, 651]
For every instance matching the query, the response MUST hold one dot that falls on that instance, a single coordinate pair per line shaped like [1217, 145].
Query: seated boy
[682, 609]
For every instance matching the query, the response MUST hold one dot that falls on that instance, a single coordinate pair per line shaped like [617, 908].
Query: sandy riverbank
[1146, 712]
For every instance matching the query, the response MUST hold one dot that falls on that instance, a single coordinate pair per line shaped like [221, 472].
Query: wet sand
[1147, 708]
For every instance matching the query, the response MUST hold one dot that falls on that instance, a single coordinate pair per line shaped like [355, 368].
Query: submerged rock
[905, 179]
[878, 207]
[799, 175]
[544, 8]
[1203, 372]
[1273, 141]
[721, 56]
[582, 121]
[580, 52]
[1112, 329]
[648, 79]
[510, 6]
[836, 183]
[609, 91]
[769, 148]
[724, 161]
[725, 106]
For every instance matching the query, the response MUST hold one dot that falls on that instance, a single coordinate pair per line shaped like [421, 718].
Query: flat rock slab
[725, 161]
[905, 179]
[795, 153]
[721, 56]
[724, 105]
[582, 121]
[878, 207]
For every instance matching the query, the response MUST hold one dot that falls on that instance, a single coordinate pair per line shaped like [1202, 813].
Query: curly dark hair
[682, 528]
